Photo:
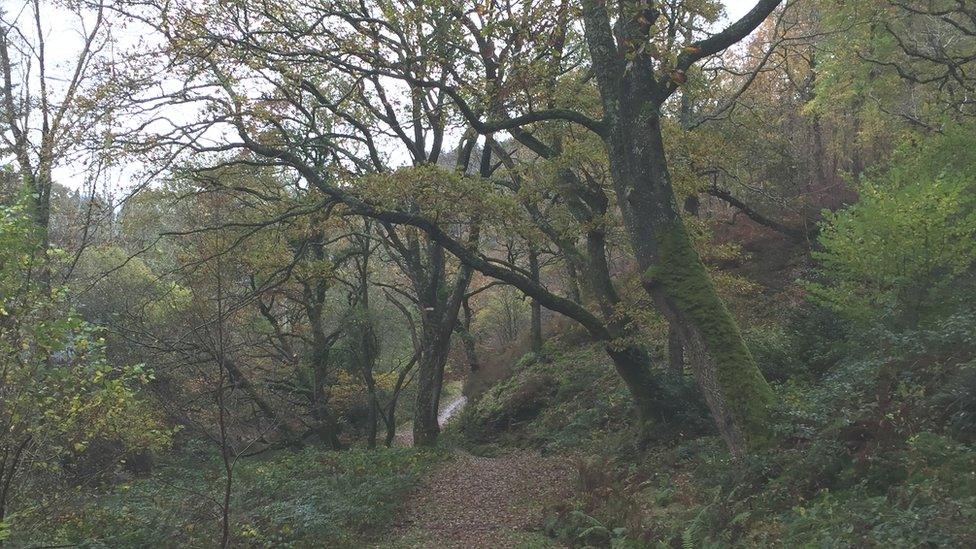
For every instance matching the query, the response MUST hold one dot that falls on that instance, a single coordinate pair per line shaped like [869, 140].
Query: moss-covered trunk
[633, 85]
[674, 276]
[676, 353]
[736, 392]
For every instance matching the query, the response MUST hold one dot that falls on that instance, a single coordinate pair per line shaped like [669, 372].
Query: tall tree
[635, 75]
[51, 108]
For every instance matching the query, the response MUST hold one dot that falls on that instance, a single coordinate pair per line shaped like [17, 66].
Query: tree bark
[678, 283]
[634, 367]
[467, 338]
[8, 469]
[676, 354]
[672, 271]
[440, 309]
[536, 313]
[326, 426]
[430, 377]
[239, 379]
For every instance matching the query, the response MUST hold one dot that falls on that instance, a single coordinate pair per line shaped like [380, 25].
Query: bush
[903, 254]
[818, 338]
[60, 395]
[510, 403]
[774, 353]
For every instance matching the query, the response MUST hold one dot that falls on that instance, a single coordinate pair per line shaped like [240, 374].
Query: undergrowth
[305, 498]
[877, 445]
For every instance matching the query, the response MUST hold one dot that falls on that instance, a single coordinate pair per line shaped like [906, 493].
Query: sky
[738, 8]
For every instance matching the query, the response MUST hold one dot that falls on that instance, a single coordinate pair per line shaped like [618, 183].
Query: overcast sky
[738, 8]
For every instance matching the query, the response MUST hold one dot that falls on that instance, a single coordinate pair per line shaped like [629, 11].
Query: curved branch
[719, 42]
[476, 261]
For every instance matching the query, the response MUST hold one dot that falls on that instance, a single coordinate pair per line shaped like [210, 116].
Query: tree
[58, 393]
[342, 57]
[48, 119]
[634, 78]
[914, 57]
[635, 75]
[632, 92]
[903, 254]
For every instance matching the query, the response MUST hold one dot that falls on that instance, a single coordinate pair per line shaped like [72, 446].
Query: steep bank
[858, 465]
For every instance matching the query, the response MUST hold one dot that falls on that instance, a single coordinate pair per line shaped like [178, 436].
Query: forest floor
[482, 502]
[488, 502]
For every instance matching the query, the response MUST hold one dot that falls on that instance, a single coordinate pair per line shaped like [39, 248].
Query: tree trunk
[676, 354]
[372, 421]
[368, 350]
[8, 469]
[390, 432]
[440, 307]
[632, 92]
[430, 378]
[633, 365]
[425, 427]
[571, 280]
[677, 281]
[41, 215]
[326, 426]
[536, 320]
[239, 379]
[467, 338]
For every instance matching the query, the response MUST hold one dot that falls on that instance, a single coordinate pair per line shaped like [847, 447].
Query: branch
[789, 232]
[463, 253]
[717, 43]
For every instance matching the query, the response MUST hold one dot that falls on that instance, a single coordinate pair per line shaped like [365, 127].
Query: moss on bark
[685, 281]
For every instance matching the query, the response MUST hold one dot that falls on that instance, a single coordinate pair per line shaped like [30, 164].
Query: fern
[689, 534]
[692, 531]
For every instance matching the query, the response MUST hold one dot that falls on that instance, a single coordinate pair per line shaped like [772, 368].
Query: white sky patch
[737, 8]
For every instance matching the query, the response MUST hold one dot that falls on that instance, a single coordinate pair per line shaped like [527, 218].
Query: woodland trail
[482, 502]
[404, 435]
[485, 502]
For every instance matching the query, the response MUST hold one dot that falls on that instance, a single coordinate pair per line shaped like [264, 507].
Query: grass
[305, 498]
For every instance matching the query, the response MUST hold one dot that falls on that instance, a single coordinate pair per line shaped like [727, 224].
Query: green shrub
[773, 350]
[903, 253]
[818, 338]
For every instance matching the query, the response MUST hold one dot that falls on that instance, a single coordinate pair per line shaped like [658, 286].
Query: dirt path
[489, 502]
[449, 408]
